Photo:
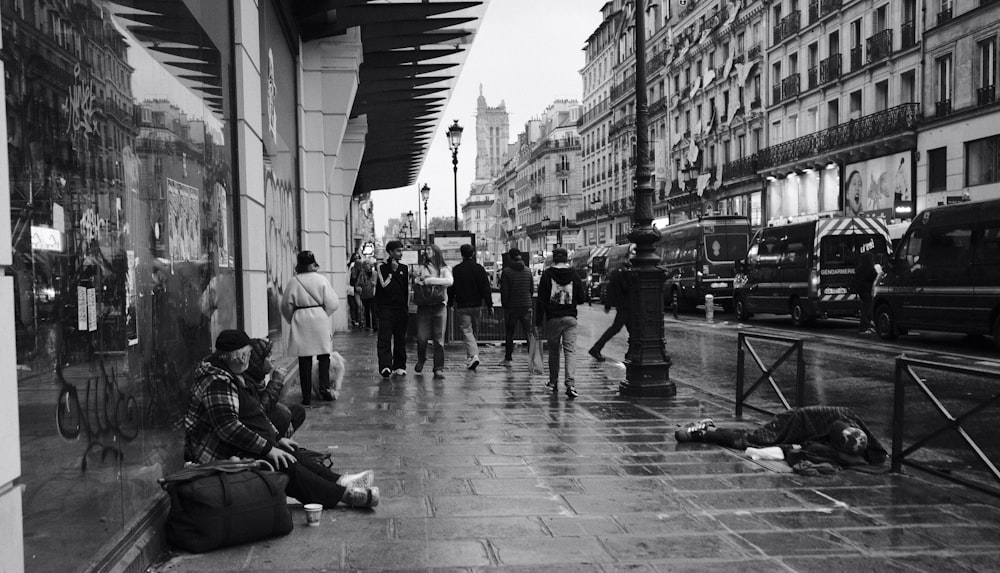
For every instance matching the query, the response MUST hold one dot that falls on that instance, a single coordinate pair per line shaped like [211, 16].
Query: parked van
[806, 269]
[698, 255]
[945, 274]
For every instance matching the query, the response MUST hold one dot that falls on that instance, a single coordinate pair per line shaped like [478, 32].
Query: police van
[697, 256]
[945, 274]
[806, 270]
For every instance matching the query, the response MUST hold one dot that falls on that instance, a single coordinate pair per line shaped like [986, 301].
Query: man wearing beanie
[225, 420]
[516, 289]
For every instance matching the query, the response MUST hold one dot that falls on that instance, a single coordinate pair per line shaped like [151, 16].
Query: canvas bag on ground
[224, 503]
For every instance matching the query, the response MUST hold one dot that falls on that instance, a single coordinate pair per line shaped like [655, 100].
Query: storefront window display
[121, 196]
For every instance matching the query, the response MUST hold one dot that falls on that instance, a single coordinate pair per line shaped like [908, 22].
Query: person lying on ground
[225, 420]
[813, 439]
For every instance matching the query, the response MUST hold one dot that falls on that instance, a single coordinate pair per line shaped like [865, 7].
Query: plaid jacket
[223, 418]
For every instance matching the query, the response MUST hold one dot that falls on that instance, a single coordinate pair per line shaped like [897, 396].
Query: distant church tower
[492, 135]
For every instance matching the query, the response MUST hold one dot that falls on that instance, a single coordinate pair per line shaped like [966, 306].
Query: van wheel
[742, 314]
[885, 322]
[799, 315]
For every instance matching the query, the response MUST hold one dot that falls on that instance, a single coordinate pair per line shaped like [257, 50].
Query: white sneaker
[364, 480]
[399, 372]
[472, 363]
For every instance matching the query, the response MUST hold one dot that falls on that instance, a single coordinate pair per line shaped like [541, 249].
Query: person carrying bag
[430, 293]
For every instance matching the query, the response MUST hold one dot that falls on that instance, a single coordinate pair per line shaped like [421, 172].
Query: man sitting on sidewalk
[224, 420]
[813, 439]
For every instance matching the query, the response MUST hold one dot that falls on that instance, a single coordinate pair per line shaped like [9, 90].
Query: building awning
[413, 53]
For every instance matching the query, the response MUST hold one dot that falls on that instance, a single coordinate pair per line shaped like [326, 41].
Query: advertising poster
[183, 222]
[872, 187]
[450, 242]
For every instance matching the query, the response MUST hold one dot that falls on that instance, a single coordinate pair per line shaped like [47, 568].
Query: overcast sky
[526, 53]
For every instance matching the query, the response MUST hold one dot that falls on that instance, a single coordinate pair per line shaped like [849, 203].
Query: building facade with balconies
[715, 115]
[958, 141]
[842, 108]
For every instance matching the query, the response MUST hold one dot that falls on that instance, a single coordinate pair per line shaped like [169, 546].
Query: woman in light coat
[307, 304]
[432, 318]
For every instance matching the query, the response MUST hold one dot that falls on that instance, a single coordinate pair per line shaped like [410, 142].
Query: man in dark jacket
[470, 291]
[225, 420]
[516, 289]
[864, 279]
[559, 293]
[392, 293]
[267, 388]
[616, 296]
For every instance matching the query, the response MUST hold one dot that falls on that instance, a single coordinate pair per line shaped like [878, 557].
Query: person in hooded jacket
[517, 286]
[560, 290]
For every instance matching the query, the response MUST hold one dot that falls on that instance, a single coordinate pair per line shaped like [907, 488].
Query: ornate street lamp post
[425, 194]
[647, 366]
[454, 140]
[409, 232]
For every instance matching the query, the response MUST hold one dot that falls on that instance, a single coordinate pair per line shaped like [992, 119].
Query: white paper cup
[314, 512]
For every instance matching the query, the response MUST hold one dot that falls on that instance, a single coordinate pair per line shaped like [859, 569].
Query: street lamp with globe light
[425, 194]
[454, 140]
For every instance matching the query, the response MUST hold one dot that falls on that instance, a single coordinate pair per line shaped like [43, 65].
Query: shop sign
[46, 239]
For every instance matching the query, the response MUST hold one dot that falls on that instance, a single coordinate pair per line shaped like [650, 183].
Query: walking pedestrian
[516, 289]
[307, 304]
[865, 272]
[353, 267]
[392, 305]
[617, 297]
[468, 294]
[365, 287]
[560, 290]
[430, 293]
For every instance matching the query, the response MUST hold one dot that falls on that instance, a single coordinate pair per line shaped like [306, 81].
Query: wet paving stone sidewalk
[489, 471]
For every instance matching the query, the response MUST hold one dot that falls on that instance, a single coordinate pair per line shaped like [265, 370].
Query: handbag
[535, 362]
[225, 503]
[428, 295]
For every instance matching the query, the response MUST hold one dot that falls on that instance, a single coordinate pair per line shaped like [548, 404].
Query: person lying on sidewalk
[224, 420]
[813, 439]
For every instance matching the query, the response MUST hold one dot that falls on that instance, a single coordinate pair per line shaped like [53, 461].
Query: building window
[882, 95]
[986, 92]
[937, 169]
[982, 161]
[942, 78]
[856, 104]
[907, 87]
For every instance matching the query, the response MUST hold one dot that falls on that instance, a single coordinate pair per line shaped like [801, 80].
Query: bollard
[709, 308]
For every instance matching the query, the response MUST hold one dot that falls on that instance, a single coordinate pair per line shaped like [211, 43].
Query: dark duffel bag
[224, 503]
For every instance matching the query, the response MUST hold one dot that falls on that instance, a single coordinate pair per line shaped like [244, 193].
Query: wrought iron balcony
[754, 52]
[788, 26]
[986, 95]
[829, 6]
[908, 35]
[790, 86]
[829, 69]
[562, 170]
[879, 46]
[813, 77]
[893, 121]
[942, 108]
[944, 16]
[742, 167]
[857, 58]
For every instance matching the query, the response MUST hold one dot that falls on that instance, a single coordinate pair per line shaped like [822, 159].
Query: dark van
[945, 274]
[806, 269]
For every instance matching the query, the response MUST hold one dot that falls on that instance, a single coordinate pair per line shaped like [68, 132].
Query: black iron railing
[829, 69]
[893, 121]
[930, 429]
[788, 26]
[791, 86]
[879, 46]
[986, 95]
[794, 348]
[857, 58]
[742, 167]
[944, 16]
[942, 108]
[908, 35]
[813, 74]
[754, 52]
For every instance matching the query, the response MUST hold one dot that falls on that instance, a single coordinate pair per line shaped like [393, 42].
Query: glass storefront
[122, 217]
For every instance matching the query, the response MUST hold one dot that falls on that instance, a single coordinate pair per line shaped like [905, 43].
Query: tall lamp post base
[647, 366]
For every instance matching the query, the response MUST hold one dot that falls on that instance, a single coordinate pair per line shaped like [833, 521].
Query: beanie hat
[848, 439]
[230, 340]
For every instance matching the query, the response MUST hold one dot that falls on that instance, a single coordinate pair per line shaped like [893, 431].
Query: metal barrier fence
[489, 328]
[745, 347]
[901, 456]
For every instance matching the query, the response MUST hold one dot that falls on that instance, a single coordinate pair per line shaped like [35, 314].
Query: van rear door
[986, 262]
[947, 300]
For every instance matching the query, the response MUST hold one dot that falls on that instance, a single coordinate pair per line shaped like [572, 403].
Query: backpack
[365, 285]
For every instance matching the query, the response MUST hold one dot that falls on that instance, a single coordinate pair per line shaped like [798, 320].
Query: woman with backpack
[430, 293]
[307, 304]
